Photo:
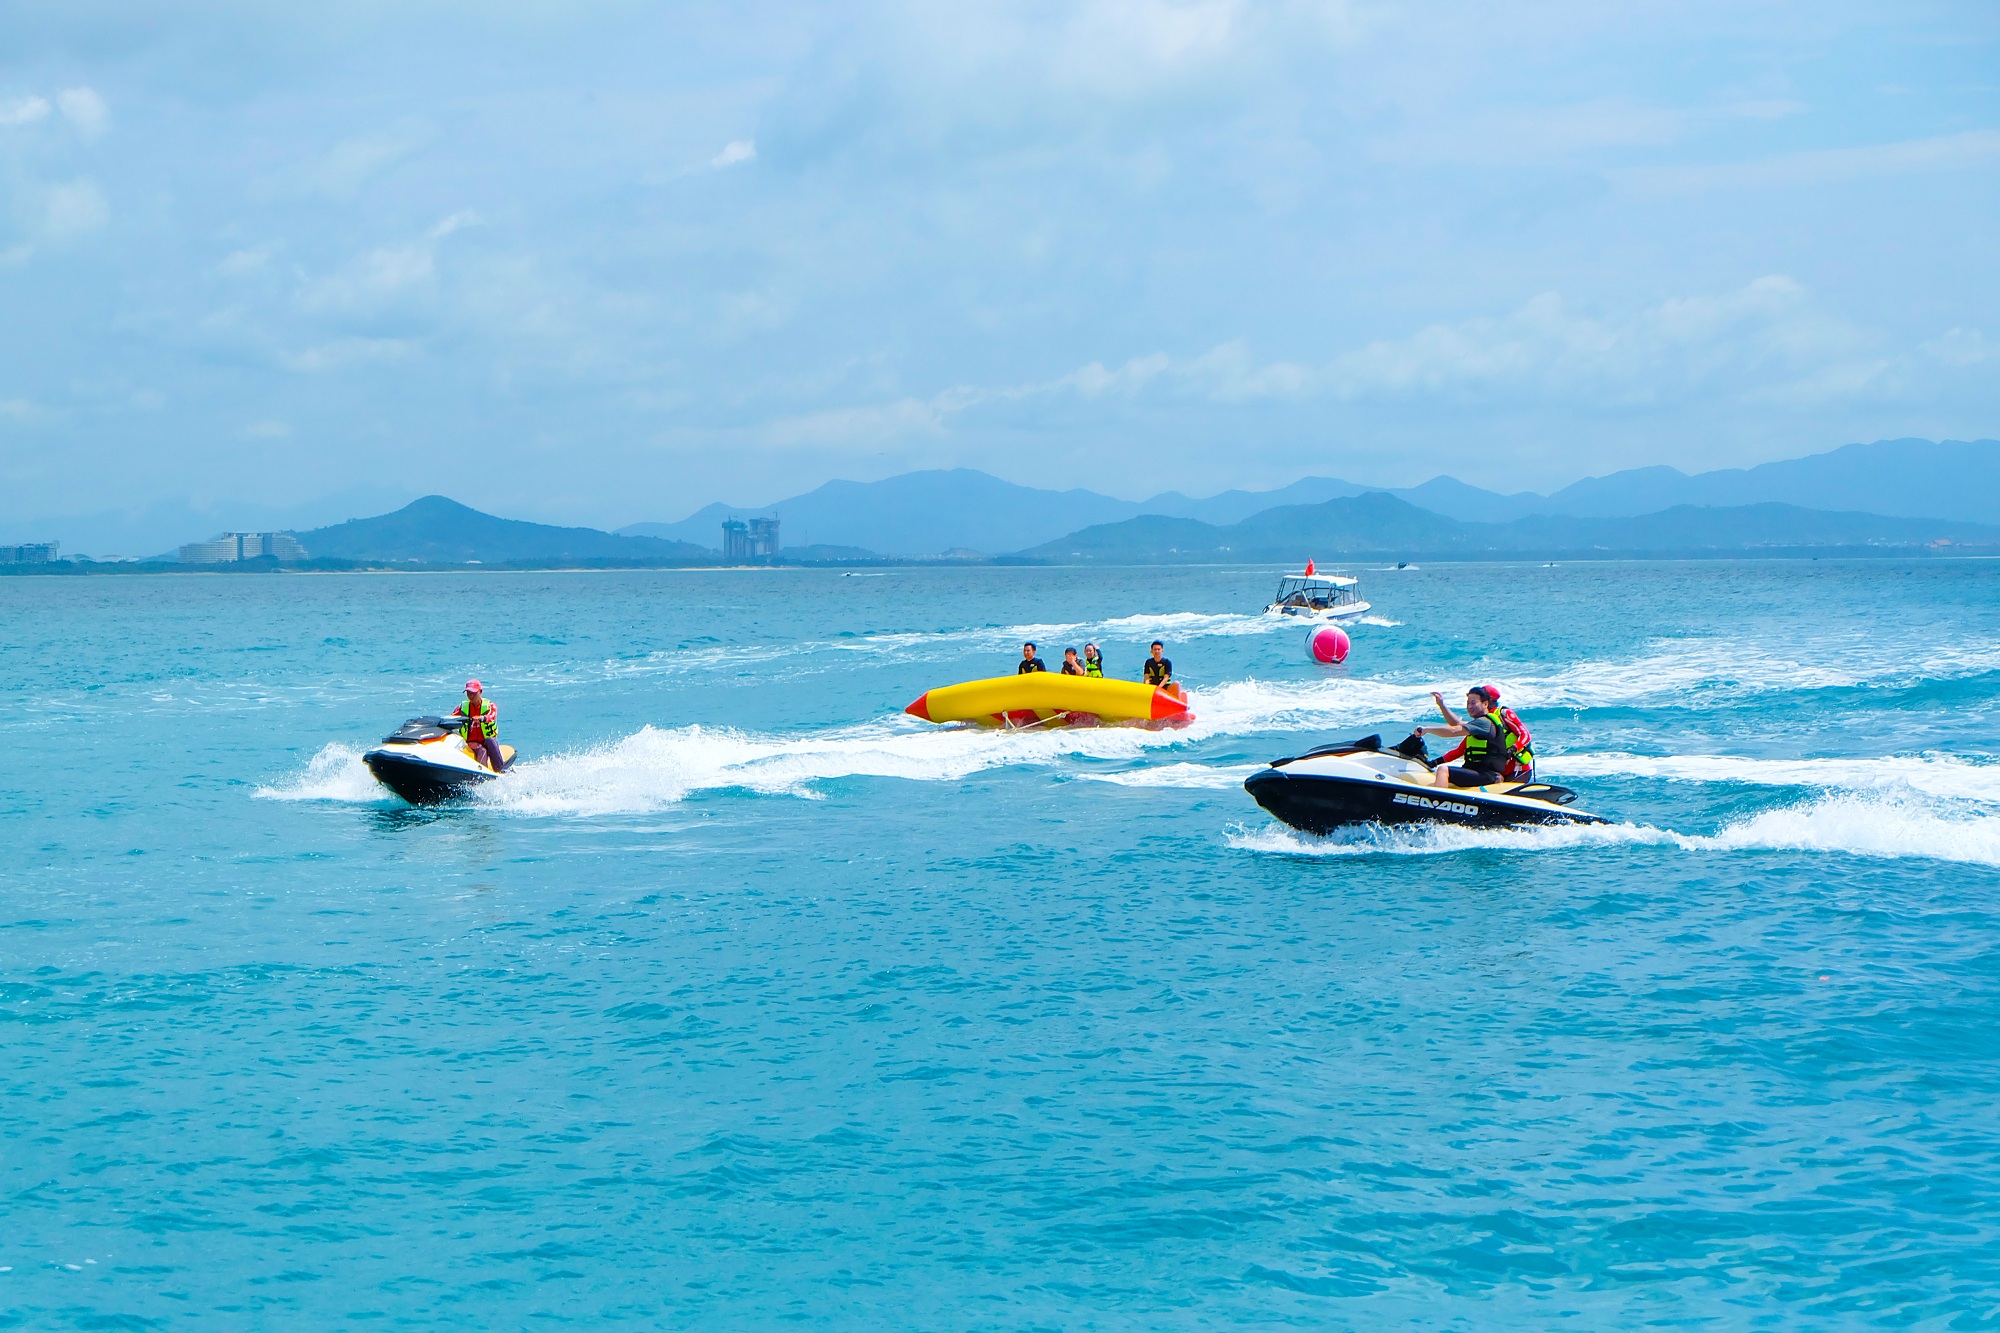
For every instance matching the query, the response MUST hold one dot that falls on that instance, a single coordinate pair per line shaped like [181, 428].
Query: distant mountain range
[965, 514]
[441, 531]
[928, 513]
[1383, 525]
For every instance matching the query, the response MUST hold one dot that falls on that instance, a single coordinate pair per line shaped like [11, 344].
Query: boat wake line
[1858, 825]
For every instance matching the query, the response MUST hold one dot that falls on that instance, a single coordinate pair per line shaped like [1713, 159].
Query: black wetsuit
[1029, 666]
[1160, 672]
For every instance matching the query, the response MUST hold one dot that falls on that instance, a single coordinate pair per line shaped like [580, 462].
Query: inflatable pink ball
[1328, 644]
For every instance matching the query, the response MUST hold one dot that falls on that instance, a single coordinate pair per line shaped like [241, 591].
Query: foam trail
[657, 767]
[336, 773]
[1931, 775]
[1180, 775]
[1871, 826]
[1165, 624]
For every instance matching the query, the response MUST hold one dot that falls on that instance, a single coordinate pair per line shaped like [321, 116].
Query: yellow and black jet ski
[426, 760]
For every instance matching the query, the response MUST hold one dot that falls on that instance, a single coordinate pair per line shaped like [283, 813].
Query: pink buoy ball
[1328, 644]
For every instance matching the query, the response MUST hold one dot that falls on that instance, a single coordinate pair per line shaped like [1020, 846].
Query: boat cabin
[1315, 592]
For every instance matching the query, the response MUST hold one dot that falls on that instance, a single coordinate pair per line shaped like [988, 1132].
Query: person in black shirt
[1070, 666]
[1158, 670]
[1029, 662]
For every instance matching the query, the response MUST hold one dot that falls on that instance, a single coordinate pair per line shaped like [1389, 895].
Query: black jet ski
[1359, 782]
[426, 760]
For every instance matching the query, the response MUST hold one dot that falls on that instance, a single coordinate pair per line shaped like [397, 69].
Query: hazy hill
[915, 514]
[1381, 524]
[1905, 478]
[437, 529]
[923, 513]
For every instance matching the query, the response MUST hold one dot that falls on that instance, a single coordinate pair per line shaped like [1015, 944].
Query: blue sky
[607, 262]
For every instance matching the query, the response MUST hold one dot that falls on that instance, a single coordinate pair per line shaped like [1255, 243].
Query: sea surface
[748, 1000]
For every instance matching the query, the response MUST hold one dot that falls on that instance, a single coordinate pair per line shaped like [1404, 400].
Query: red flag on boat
[1309, 567]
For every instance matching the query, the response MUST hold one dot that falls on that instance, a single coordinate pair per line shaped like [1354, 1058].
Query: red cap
[472, 687]
[1491, 692]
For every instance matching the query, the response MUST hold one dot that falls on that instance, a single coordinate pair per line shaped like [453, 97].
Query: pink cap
[473, 687]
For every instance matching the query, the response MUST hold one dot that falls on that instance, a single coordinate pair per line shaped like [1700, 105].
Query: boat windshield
[1316, 592]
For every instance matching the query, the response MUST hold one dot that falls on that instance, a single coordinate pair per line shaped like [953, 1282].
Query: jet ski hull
[418, 780]
[1346, 785]
[1321, 805]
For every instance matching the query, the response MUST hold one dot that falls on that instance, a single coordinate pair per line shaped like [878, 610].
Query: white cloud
[343, 170]
[241, 263]
[1962, 347]
[370, 283]
[83, 108]
[1948, 152]
[73, 208]
[465, 217]
[1766, 341]
[23, 111]
[742, 150]
[346, 352]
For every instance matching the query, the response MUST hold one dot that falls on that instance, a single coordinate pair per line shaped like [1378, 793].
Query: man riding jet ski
[432, 759]
[1358, 782]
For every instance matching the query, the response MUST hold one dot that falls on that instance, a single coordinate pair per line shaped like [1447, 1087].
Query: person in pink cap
[482, 725]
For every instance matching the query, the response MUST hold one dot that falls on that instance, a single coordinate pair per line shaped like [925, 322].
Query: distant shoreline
[151, 569]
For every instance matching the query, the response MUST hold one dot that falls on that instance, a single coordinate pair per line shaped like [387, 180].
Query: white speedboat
[1313, 596]
[426, 760]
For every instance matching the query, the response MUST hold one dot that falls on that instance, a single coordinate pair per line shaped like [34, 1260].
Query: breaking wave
[657, 767]
[1930, 775]
[336, 773]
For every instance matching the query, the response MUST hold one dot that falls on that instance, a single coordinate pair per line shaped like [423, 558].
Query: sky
[605, 262]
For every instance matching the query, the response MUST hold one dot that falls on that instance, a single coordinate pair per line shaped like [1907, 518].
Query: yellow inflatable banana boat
[1046, 699]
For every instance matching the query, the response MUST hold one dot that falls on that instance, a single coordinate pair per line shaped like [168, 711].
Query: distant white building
[229, 546]
[28, 553]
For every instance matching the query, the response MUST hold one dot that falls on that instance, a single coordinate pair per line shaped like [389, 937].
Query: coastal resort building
[231, 546]
[751, 543]
[28, 553]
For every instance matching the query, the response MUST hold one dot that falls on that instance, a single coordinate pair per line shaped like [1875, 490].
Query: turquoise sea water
[747, 999]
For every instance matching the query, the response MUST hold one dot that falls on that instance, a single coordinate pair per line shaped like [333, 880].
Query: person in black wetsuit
[1029, 662]
[1158, 670]
[1071, 666]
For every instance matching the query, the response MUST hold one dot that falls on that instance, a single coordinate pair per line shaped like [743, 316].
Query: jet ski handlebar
[1412, 748]
[425, 729]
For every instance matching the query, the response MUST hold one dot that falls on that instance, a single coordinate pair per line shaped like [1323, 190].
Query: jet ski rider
[1485, 733]
[482, 725]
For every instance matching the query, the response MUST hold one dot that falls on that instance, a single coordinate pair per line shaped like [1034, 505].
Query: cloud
[266, 430]
[73, 208]
[342, 171]
[463, 218]
[241, 263]
[372, 282]
[1962, 347]
[1765, 342]
[346, 352]
[1947, 152]
[23, 111]
[873, 423]
[83, 108]
[741, 150]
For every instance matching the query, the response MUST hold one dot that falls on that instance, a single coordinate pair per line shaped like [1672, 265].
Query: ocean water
[748, 1000]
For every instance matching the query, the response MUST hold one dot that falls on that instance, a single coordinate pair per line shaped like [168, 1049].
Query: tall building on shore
[28, 553]
[229, 546]
[755, 542]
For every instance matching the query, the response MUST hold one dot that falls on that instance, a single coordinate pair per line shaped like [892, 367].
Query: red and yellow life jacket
[482, 719]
